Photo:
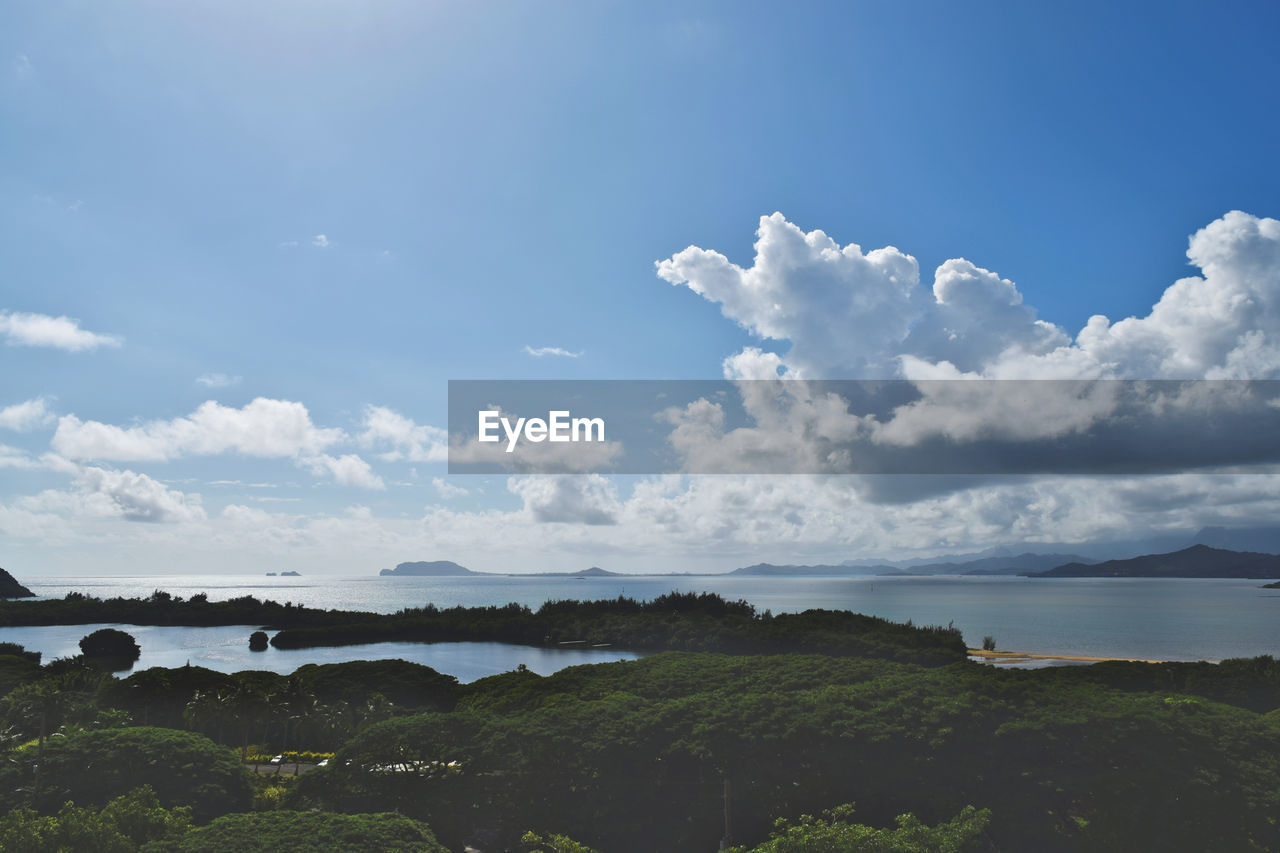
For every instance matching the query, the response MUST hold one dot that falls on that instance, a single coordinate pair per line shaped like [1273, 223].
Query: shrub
[110, 645]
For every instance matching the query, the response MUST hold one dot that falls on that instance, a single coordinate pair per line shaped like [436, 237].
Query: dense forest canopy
[791, 717]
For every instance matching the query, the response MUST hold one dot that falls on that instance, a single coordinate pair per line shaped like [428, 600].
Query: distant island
[448, 568]
[424, 569]
[998, 565]
[593, 572]
[10, 588]
[291, 574]
[1198, 561]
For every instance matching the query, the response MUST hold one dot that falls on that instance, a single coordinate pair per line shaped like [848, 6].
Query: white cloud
[409, 441]
[108, 493]
[262, 428]
[447, 490]
[12, 457]
[22, 417]
[347, 470]
[539, 352]
[218, 380]
[591, 500]
[22, 65]
[288, 244]
[321, 241]
[41, 330]
[866, 315]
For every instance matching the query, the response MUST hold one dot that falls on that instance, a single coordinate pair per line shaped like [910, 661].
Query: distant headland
[1198, 561]
[10, 588]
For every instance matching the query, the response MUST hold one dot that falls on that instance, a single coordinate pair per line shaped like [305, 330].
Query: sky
[245, 247]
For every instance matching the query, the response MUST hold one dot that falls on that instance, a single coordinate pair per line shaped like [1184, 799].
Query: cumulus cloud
[591, 500]
[853, 314]
[407, 441]
[321, 242]
[539, 352]
[218, 380]
[447, 490]
[108, 493]
[41, 330]
[26, 416]
[262, 428]
[347, 470]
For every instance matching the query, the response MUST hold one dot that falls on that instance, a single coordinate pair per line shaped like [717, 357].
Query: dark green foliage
[836, 831]
[159, 696]
[111, 645]
[411, 685]
[1252, 683]
[676, 621]
[304, 832]
[258, 641]
[93, 767]
[16, 671]
[632, 756]
[19, 651]
[121, 826]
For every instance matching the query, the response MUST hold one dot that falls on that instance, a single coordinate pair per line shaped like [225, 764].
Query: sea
[1139, 618]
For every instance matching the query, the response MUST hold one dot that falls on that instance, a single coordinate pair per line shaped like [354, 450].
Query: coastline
[1023, 657]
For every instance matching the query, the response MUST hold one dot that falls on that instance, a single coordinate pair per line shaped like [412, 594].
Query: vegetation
[121, 826]
[676, 622]
[632, 756]
[108, 645]
[92, 767]
[835, 830]
[258, 641]
[938, 752]
[305, 832]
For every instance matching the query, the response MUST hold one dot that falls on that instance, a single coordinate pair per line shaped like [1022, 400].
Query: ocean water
[1107, 617]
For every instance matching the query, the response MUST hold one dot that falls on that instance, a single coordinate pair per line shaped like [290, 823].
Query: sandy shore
[1021, 657]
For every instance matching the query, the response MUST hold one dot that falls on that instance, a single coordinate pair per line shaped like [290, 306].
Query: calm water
[1109, 617]
[226, 649]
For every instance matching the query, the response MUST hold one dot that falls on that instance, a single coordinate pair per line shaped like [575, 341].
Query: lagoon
[225, 648]
[1160, 619]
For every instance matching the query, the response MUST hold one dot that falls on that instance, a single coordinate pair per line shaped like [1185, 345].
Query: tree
[121, 826]
[93, 767]
[258, 641]
[302, 832]
[111, 646]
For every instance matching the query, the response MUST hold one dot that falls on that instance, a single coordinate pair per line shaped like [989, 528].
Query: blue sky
[491, 177]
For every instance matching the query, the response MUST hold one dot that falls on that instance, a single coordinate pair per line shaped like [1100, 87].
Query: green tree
[93, 767]
[305, 832]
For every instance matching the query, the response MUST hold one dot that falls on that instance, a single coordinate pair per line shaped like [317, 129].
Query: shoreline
[1021, 657]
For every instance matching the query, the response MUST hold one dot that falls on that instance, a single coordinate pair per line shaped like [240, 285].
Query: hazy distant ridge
[1198, 561]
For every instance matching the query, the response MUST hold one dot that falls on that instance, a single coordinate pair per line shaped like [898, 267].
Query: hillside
[1198, 561]
[10, 588]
